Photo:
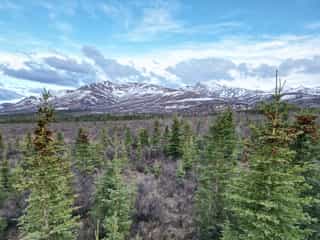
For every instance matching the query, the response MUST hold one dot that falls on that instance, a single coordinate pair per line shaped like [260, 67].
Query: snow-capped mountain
[109, 97]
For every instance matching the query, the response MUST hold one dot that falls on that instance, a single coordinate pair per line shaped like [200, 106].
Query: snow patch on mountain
[133, 97]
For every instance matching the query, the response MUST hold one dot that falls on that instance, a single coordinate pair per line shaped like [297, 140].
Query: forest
[172, 180]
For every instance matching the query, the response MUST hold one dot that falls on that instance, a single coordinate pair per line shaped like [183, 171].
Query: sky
[64, 44]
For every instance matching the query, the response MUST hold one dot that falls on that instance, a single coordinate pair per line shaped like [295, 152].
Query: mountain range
[131, 98]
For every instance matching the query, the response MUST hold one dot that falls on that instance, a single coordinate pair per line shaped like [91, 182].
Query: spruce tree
[104, 139]
[60, 144]
[307, 147]
[144, 137]
[84, 154]
[48, 215]
[174, 147]
[5, 179]
[188, 151]
[128, 138]
[265, 198]
[5, 176]
[165, 140]
[2, 147]
[113, 203]
[215, 171]
[155, 139]
[28, 152]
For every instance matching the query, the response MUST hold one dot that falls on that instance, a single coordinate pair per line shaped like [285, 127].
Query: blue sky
[173, 42]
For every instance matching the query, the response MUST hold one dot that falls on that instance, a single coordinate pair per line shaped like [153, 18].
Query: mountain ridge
[135, 97]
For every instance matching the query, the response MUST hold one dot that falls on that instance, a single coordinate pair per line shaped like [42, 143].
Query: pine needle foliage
[307, 147]
[113, 202]
[85, 153]
[214, 172]
[174, 147]
[265, 198]
[48, 215]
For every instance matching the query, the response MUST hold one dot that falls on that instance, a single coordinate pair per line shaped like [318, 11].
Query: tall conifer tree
[85, 155]
[214, 172]
[174, 147]
[265, 199]
[48, 215]
[307, 147]
[113, 201]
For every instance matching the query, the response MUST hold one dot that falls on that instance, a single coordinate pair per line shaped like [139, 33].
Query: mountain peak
[137, 97]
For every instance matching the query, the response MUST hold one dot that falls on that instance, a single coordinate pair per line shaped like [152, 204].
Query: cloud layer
[238, 62]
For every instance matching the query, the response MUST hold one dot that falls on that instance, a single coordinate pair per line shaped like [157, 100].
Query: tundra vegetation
[168, 179]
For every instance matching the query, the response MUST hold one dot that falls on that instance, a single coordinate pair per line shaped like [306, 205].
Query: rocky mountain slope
[109, 97]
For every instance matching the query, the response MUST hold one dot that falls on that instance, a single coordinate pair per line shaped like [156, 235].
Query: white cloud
[252, 62]
[155, 21]
[268, 50]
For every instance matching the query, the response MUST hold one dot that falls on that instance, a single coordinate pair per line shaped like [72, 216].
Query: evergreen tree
[188, 150]
[174, 147]
[155, 140]
[181, 171]
[307, 147]
[186, 131]
[2, 148]
[60, 144]
[165, 140]
[100, 149]
[265, 198]
[5, 180]
[28, 141]
[1, 142]
[5, 176]
[189, 153]
[27, 153]
[84, 153]
[113, 203]
[48, 215]
[214, 172]
[104, 139]
[144, 137]
[128, 138]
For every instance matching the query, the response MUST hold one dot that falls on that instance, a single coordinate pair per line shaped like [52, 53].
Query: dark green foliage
[307, 147]
[188, 151]
[214, 173]
[128, 141]
[69, 116]
[5, 181]
[3, 226]
[265, 198]
[1, 141]
[174, 147]
[60, 138]
[113, 203]
[85, 153]
[60, 144]
[104, 138]
[165, 140]
[143, 137]
[28, 151]
[5, 187]
[50, 202]
[156, 134]
[102, 147]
